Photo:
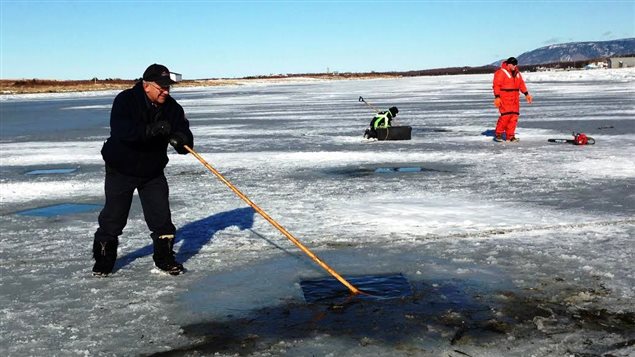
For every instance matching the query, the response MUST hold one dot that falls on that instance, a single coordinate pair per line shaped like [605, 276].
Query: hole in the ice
[385, 170]
[60, 171]
[374, 287]
[446, 310]
[60, 210]
[406, 169]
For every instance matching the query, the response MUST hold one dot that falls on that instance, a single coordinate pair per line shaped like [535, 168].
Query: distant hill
[576, 51]
[563, 55]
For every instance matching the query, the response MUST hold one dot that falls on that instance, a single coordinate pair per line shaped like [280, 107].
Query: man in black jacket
[143, 120]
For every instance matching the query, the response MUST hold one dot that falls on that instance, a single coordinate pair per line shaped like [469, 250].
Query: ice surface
[510, 249]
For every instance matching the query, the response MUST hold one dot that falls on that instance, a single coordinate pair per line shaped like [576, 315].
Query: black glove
[159, 128]
[177, 140]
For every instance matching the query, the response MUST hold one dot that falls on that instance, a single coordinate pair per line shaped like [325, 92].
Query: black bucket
[394, 133]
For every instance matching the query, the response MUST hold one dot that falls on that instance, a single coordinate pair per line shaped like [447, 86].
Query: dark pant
[153, 193]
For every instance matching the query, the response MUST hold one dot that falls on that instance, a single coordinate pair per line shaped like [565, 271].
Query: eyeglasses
[160, 88]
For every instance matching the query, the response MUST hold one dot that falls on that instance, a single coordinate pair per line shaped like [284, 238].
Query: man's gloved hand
[159, 128]
[177, 140]
[529, 98]
[497, 102]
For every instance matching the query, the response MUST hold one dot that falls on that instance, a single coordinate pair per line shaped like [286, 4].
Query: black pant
[153, 193]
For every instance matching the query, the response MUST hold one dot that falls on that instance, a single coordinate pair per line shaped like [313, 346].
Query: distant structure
[177, 77]
[596, 65]
[621, 62]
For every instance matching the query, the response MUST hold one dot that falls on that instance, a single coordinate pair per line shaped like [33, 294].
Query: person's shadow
[196, 234]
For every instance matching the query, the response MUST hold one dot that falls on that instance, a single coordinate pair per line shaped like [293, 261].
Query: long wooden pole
[264, 214]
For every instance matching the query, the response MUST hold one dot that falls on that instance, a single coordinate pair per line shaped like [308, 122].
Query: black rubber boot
[164, 255]
[105, 255]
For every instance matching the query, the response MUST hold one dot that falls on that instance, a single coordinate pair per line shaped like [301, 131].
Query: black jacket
[129, 149]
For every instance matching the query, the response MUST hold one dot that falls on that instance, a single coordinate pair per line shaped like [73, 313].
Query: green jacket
[381, 120]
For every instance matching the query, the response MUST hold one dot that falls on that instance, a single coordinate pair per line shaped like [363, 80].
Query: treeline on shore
[16, 86]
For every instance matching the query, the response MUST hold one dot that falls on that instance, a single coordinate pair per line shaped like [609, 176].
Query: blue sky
[216, 39]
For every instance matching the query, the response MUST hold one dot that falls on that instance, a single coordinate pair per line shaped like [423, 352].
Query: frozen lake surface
[521, 249]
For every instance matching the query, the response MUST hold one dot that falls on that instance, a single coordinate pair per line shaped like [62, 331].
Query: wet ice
[540, 233]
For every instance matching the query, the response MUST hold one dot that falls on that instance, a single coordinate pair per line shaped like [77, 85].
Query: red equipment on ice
[578, 139]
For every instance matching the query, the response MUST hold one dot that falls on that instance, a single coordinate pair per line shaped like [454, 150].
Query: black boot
[164, 255]
[105, 254]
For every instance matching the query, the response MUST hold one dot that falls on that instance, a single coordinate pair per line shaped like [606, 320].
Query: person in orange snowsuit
[507, 83]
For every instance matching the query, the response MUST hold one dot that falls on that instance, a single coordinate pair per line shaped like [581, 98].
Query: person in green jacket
[380, 120]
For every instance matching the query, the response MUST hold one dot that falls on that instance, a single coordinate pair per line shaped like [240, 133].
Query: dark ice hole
[372, 170]
[384, 170]
[375, 287]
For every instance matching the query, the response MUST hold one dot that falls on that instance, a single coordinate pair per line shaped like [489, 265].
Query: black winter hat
[158, 74]
[512, 60]
[393, 111]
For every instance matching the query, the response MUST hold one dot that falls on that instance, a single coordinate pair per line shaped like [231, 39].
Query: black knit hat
[512, 60]
[158, 74]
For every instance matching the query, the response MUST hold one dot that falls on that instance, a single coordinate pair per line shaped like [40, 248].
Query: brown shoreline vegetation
[27, 86]
[31, 86]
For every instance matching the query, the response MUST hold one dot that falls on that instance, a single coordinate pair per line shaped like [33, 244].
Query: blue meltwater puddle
[374, 287]
[51, 171]
[385, 170]
[60, 210]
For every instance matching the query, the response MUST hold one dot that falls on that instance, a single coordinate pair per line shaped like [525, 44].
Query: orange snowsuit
[506, 86]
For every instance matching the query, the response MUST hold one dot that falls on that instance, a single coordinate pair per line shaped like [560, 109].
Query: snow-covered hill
[577, 51]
